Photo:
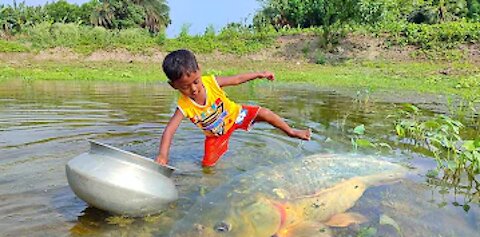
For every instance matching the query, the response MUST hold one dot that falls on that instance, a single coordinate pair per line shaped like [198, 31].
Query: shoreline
[460, 77]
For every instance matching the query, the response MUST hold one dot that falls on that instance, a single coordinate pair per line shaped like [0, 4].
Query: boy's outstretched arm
[167, 137]
[241, 78]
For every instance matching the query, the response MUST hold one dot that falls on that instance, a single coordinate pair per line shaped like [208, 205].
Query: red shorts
[215, 146]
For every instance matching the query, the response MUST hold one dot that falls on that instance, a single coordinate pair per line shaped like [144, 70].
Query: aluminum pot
[121, 182]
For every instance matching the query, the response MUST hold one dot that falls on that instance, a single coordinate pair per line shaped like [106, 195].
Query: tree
[62, 11]
[86, 11]
[327, 14]
[306, 13]
[120, 14]
[473, 9]
[103, 15]
[14, 18]
[156, 14]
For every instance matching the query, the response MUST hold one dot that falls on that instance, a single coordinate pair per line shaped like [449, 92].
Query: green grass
[12, 46]
[408, 76]
[107, 71]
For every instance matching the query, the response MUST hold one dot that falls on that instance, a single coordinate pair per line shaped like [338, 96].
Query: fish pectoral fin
[305, 229]
[346, 219]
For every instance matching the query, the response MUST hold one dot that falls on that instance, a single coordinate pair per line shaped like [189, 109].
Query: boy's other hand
[267, 75]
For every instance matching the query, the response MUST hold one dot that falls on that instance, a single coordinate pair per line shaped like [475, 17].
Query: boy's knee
[264, 113]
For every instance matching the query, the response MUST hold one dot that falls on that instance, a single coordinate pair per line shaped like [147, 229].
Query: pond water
[43, 124]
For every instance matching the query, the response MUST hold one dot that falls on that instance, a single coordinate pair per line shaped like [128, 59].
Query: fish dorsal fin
[346, 219]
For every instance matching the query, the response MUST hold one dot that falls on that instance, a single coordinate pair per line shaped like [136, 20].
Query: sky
[198, 14]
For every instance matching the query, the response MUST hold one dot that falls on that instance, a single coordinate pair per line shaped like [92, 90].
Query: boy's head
[184, 74]
[179, 63]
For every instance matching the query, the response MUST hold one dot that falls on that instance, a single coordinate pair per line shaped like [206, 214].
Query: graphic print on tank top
[213, 119]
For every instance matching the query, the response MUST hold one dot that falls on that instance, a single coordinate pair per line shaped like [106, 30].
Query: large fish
[296, 198]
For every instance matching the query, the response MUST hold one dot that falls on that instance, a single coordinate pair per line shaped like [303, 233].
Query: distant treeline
[111, 14]
[138, 25]
[154, 14]
[308, 13]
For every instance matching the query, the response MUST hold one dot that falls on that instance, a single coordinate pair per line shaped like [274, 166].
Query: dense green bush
[234, 39]
[101, 36]
[447, 35]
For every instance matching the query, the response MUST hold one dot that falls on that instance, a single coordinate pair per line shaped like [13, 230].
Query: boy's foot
[302, 134]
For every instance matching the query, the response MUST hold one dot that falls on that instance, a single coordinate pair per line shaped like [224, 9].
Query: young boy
[204, 102]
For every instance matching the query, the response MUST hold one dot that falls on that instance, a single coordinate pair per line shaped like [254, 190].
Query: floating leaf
[364, 143]
[466, 207]
[360, 129]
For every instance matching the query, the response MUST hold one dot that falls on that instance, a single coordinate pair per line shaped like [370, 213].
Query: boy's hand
[161, 160]
[267, 75]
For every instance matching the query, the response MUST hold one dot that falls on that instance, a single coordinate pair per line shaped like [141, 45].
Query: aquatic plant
[360, 141]
[441, 135]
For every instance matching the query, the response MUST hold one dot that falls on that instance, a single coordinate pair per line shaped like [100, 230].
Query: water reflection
[43, 124]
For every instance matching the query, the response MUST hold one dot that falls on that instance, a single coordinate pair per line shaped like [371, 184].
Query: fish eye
[222, 227]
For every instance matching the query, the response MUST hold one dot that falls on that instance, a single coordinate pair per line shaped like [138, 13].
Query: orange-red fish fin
[305, 229]
[346, 219]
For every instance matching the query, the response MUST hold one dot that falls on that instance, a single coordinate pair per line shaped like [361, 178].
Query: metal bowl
[121, 182]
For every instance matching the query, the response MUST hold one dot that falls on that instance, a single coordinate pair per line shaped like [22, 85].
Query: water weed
[457, 157]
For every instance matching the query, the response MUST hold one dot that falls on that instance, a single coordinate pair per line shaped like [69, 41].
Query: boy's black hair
[178, 63]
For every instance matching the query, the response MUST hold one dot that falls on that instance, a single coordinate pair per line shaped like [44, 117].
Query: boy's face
[190, 85]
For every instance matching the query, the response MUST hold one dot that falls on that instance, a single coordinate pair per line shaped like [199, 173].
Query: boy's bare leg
[265, 115]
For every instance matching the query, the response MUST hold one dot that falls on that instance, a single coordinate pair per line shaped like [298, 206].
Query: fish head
[259, 217]
[354, 187]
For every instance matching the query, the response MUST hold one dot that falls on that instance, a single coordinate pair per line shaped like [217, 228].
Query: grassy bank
[444, 78]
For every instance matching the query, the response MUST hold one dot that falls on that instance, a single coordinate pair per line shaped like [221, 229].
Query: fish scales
[313, 174]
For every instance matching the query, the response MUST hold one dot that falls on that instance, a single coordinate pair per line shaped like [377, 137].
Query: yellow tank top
[218, 114]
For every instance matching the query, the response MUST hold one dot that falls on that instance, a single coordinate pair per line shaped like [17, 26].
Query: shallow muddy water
[43, 124]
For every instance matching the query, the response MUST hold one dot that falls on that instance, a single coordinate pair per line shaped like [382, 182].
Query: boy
[204, 102]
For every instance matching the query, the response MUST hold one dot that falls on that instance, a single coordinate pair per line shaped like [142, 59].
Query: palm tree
[103, 15]
[156, 14]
